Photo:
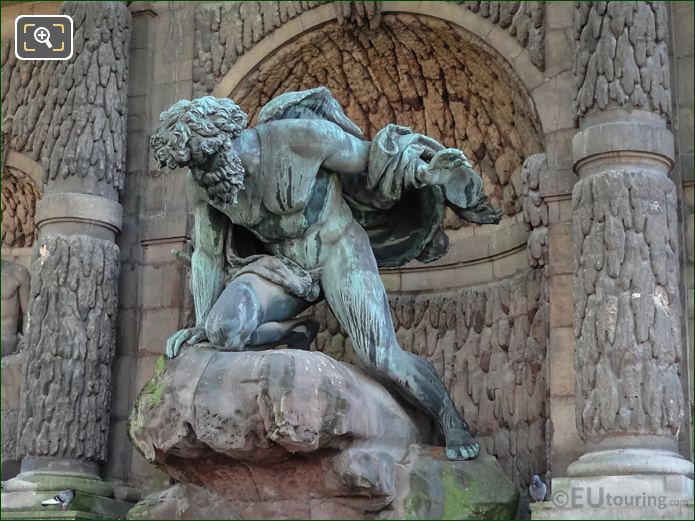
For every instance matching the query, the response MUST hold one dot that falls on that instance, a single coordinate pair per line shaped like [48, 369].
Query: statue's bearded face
[199, 134]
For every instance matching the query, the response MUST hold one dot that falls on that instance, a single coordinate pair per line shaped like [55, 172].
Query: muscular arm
[336, 149]
[207, 266]
[207, 261]
[343, 153]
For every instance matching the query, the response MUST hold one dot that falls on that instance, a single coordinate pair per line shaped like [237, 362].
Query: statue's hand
[190, 335]
[445, 165]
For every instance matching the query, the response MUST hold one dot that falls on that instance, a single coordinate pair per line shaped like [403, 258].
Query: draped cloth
[401, 216]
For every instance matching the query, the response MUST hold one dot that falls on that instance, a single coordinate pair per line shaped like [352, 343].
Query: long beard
[223, 182]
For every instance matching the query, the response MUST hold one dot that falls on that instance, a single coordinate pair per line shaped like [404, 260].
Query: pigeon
[63, 499]
[537, 489]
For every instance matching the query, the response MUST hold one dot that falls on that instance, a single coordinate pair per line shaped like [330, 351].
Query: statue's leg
[254, 312]
[297, 333]
[356, 294]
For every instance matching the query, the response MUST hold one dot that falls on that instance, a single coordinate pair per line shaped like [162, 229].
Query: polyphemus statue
[328, 207]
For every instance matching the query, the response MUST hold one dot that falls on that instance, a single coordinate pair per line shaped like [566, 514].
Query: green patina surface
[148, 398]
[83, 506]
[459, 490]
[459, 497]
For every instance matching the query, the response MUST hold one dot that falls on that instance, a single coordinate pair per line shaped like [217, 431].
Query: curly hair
[191, 131]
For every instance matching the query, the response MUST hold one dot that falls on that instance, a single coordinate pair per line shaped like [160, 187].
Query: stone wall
[152, 282]
[219, 45]
[682, 56]
[52, 122]
[19, 197]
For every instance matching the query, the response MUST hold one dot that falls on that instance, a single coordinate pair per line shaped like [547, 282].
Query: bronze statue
[328, 207]
[15, 298]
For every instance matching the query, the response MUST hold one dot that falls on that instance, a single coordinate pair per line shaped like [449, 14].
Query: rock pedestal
[291, 434]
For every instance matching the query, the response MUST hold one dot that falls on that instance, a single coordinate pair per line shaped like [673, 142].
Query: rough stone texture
[184, 501]
[226, 31]
[535, 210]
[260, 407]
[11, 382]
[19, 197]
[4, 141]
[489, 344]
[621, 56]
[525, 21]
[627, 305]
[359, 14]
[418, 72]
[298, 435]
[71, 115]
[71, 340]
[441, 489]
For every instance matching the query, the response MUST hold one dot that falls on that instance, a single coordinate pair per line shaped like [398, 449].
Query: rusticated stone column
[71, 335]
[629, 397]
[626, 268]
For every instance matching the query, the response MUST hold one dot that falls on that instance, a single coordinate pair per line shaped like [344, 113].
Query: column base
[94, 499]
[27, 505]
[629, 461]
[622, 484]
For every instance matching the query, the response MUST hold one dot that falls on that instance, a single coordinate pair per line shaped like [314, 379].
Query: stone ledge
[80, 208]
[166, 228]
[625, 137]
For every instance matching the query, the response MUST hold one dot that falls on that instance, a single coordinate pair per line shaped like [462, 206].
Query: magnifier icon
[43, 35]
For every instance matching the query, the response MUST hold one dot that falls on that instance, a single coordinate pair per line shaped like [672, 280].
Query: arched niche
[428, 73]
[22, 182]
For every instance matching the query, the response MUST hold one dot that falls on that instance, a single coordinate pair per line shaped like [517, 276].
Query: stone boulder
[290, 434]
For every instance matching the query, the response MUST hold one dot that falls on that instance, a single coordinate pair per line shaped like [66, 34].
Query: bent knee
[233, 319]
[229, 333]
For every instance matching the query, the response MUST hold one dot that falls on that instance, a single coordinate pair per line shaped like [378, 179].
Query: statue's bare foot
[461, 445]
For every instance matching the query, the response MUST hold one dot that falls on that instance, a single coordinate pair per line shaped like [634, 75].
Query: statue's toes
[470, 451]
[461, 445]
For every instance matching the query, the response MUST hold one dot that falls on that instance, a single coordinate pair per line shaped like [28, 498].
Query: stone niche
[21, 181]
[419, 72]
